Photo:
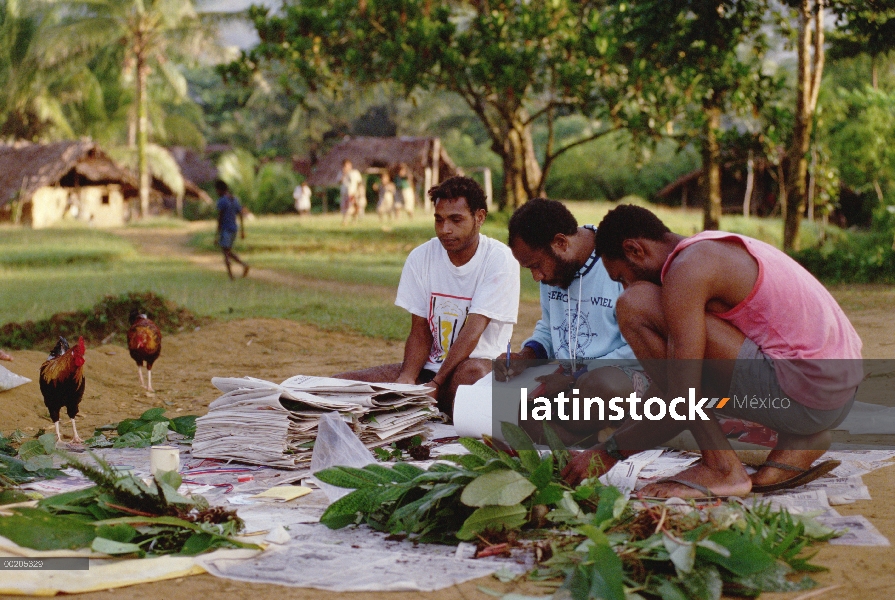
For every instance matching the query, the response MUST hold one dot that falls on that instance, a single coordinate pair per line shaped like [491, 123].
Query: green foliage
[609, 547]
[102, 517]
[853, 257]
[264, 189]
[108, 316]
[152, 427]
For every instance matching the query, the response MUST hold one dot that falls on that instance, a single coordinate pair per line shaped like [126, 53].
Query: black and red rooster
[62, 383]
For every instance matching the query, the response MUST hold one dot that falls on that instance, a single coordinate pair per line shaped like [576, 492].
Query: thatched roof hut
[26, 167]
[193, 165]
[425, 158]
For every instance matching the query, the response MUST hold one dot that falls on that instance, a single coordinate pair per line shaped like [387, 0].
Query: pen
[508, 356]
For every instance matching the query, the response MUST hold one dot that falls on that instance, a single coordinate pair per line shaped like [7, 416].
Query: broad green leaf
[128, 425]
[551, 494]
[668, 590]
[31, 449]
[132, 439]
[40, 530]
[185, 425]
[410, 471]
[106, 546]
[118, 533]
[745, 557]
[499, 488]
[48, 441]
[494, 518]
[477, 448]
[170, 478]
[467, 461]
[159, 432]
[542, 475]
[198, 543]
[516, 437]
[39, 463]
[391, 474]
[611, 505]
[154, 414]
[343, 512]
[350, 477]
[682, 554]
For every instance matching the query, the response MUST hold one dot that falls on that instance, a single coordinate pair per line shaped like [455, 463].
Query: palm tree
[150, 32]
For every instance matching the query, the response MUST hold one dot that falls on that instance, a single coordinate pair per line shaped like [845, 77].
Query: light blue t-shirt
[583, 314]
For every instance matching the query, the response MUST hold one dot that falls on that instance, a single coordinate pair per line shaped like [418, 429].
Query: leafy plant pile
[31, 461]
[598, 544]
[152, 427]
[108, 316]
[123, 515]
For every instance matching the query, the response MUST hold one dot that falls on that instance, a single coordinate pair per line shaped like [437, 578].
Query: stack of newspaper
[265, 423]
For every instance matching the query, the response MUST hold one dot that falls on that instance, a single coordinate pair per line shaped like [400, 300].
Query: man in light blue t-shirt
[578, 321]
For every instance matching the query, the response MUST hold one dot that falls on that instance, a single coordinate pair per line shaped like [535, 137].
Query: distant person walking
[352, 194]
[229, 209]
[404, 198]
[302, 196]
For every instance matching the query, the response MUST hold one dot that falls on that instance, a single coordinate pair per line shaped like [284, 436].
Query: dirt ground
[275, 349]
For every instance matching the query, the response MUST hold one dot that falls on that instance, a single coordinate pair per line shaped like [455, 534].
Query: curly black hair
[460, 187]
[539, 220]
[626, 222]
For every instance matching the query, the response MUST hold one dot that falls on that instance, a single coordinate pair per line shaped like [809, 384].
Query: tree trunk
[142, 135]
[711, 167]
[521, 171]
[809, 73]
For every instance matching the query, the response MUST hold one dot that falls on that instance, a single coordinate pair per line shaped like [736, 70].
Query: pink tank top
[791, 316]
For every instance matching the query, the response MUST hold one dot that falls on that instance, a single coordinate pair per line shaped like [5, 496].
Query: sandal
[804, 475]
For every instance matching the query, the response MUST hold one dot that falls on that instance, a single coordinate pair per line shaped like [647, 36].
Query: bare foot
[4, 356]
[736, 482]
[796, 450]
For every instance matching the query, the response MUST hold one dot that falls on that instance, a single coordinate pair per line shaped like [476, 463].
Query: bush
[857, 257]
[109, 316]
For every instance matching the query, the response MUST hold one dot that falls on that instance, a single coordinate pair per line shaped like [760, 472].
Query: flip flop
[804, 475]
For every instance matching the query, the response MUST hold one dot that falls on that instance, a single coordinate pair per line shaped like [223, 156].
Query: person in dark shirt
[229, 209]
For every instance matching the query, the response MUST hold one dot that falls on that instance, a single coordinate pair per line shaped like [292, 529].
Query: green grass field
[48, 271]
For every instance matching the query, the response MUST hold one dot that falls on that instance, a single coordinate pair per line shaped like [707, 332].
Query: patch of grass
[25, 248]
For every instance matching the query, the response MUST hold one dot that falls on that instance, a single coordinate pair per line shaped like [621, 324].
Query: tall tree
[810, 50]
[863, 27]
[513, 63]
[707, 56]
[150, 32]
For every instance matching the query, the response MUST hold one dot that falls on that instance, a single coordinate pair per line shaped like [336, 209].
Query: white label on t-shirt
[447, 315]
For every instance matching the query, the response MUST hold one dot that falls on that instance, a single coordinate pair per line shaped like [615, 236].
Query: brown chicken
[144, 340]
[62, 383]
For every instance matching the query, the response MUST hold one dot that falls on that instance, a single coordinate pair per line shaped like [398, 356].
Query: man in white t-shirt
[462, 291]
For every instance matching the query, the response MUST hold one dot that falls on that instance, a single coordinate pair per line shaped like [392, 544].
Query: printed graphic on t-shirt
[447, 315]
[578, 330]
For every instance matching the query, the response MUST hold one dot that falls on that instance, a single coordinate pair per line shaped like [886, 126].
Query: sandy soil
[276, 349]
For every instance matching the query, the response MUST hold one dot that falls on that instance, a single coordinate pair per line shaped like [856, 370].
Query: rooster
[62, 383]
[144, 340]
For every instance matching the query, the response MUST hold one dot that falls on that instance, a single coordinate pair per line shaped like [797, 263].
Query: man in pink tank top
[719, 315]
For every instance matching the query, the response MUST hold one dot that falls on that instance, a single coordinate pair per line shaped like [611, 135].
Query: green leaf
[560, 452]
[600, 577]
[48, 441]
[128, 425]
[493, 518]
[611, 505]
[159, 432]
[343, 512]
[409, 471]
[516, 437]
[745, 557]
[682, 554]
[467, 461]
[31, 449]
[132, 439]
[39, 463]
[154, 414]
[542, 475]
[350, 477]
[477, 448]
[198, 543]
[40, 530]
[118, 533]
[498, 488]
[551, 494]
[184, 425]
[703, 583]
[106, 546]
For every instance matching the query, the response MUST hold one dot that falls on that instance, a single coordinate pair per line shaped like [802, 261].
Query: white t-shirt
[433, 288]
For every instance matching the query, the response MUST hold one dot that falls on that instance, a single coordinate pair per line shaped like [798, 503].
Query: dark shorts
[754, 377]
[425, 376]
[226, 239]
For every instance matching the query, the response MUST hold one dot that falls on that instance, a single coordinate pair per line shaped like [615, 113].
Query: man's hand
[587, 464]
[555, 383]
[517, 364]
